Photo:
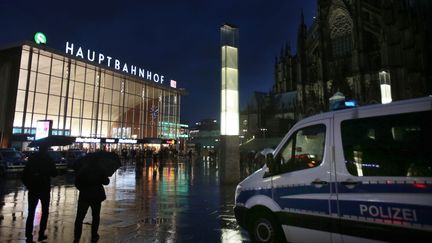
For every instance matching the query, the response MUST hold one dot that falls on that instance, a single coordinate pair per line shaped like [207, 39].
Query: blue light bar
[343, 104]
[351, 103]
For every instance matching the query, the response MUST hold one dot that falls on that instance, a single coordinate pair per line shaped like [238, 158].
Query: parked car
[72, 155]
[59, 160]
[11, 160]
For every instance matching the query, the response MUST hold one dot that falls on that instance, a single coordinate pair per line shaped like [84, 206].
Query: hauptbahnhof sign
[100, 58]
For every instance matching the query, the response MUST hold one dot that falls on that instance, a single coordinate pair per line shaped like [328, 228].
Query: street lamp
[385, 86]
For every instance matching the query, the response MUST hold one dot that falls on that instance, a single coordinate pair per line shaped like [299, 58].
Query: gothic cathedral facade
[352, 47]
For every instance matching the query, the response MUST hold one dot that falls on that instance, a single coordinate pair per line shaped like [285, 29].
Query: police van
[361, 174]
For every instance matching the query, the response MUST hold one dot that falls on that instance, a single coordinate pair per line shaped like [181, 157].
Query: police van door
[384, 171]
[301, 183]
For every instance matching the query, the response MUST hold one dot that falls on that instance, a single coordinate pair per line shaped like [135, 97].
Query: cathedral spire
[302, 27]
[302, 32]
[287, 49]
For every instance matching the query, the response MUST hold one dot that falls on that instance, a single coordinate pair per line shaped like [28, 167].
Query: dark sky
[178, 39]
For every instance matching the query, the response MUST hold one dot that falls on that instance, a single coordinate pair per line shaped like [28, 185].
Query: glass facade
[85, 100]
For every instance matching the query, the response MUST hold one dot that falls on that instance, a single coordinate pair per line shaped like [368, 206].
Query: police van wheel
[264, 229]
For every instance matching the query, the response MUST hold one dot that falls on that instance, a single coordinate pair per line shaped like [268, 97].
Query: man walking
[37, 178]
[89, 181]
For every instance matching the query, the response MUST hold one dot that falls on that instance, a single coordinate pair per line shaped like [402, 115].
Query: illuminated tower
[229, 148]
[229, 93]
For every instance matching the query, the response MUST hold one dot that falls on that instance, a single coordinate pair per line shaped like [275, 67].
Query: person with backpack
[36, 177]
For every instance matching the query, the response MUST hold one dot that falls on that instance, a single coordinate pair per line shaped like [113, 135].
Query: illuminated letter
[141, 73]
[125, 69]
[162, 79]
[88, 56]
[69, 48]
[117, 64]
[149, 75]
[101, 58]
[109, 60]
[80, 53]
[133, 70]
[156, 77]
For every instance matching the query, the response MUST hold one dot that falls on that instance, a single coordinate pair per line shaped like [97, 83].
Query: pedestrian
[190, 155]
[36, 177]
[89, 180]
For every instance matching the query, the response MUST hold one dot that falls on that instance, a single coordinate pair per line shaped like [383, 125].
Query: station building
[89, 96]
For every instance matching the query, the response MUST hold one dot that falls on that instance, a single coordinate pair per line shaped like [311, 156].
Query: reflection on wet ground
[170, 201]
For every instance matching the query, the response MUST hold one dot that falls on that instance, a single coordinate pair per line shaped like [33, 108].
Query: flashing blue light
[343, 104]
[351, 103]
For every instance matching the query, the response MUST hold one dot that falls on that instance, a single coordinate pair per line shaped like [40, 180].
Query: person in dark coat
[190, 155]
[89, 181]
[36, 177]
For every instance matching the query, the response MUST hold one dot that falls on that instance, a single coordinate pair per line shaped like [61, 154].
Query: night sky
[178, 39]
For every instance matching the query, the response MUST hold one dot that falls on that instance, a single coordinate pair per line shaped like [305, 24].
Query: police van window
[395, 145]
[304, 149]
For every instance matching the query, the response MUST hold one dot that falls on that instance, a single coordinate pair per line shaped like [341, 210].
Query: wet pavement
[169, 201]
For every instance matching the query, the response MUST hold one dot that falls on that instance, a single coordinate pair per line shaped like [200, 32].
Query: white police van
[362, 174]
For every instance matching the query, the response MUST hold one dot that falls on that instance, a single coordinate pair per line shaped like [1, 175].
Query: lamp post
[385, 86]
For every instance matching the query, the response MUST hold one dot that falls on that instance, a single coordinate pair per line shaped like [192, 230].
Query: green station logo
[40, 38]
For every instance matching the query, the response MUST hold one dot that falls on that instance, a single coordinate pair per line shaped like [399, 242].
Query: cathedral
[367, 50]
[355, 46]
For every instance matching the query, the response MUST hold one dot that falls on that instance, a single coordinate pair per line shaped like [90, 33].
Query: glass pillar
[229, 76]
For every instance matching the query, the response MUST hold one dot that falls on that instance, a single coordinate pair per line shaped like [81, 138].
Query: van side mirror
[270, 162]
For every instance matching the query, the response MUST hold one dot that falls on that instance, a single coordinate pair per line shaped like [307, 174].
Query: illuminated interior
[84, 100]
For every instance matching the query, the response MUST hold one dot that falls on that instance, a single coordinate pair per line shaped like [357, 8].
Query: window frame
[276, 164]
